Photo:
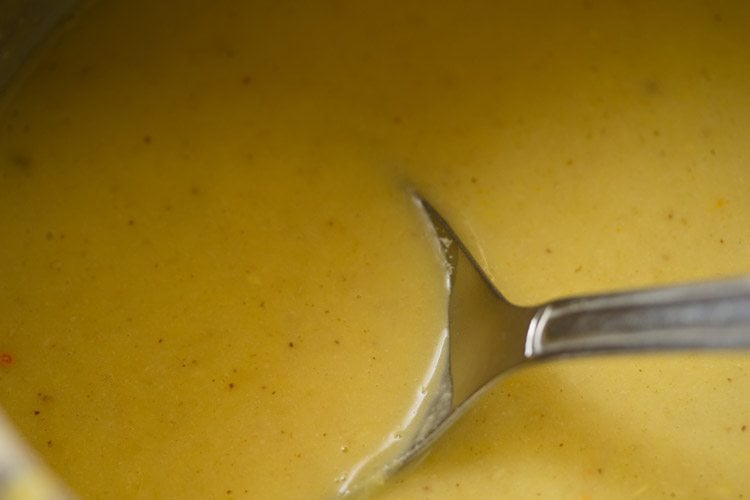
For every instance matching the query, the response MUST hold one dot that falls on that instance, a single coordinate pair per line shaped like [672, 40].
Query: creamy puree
[213, 283]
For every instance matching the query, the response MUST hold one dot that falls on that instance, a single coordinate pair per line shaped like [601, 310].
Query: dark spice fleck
[20, 161]
[44, 397]
[652, 86]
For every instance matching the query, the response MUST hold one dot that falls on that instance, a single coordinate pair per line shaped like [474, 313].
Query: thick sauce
[213, 283]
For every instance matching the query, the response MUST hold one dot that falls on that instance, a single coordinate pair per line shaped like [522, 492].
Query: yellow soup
[213, 283]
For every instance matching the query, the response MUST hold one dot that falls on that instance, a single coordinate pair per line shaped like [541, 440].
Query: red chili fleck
[6, 359]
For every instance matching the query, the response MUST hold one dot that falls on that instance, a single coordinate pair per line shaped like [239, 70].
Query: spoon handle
[711, 315]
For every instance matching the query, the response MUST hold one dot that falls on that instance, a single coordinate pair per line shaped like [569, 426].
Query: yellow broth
[213, 283]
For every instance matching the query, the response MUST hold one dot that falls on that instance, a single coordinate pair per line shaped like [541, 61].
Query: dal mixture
[213, 282]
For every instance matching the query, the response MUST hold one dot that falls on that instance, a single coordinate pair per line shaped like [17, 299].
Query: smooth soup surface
[213, 282]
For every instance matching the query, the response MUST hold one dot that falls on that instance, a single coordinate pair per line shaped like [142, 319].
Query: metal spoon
[487, 336]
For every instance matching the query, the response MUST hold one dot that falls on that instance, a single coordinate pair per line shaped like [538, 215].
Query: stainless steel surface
[23, 476]
[24, 24]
